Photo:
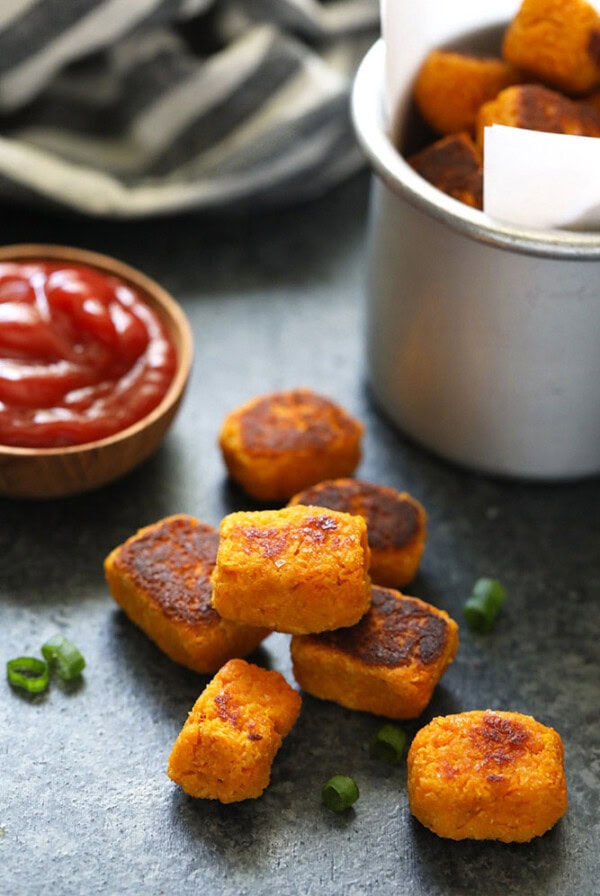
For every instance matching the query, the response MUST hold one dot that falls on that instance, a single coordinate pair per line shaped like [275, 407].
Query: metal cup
[483, 340]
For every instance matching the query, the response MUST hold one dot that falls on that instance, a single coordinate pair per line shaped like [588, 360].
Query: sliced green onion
[339, 793]
[388, 744]
[64, 657]
[483, 606]
[29, 673]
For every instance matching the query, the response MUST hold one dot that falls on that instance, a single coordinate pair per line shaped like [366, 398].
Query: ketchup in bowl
[82, 355]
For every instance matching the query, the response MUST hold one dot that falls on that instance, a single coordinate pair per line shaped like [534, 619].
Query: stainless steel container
[483, 340]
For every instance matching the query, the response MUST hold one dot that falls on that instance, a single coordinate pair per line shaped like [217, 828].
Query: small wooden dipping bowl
[57, 472]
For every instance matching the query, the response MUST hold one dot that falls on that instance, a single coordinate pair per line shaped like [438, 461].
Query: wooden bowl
[57, 472]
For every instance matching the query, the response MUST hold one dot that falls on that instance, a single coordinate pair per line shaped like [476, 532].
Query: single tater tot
[450, 88]
[226, 747]
[453, 165]
[387, 664]
[557, 42]
[277, 444]
[487, 776]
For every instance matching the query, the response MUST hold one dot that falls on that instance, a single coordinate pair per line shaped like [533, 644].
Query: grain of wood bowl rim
[59, 472]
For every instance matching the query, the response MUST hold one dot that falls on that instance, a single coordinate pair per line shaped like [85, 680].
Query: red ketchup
[82, 356]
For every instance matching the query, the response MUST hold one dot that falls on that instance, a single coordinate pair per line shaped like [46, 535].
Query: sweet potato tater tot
[277, 444]
[557, 42]
[487, 776]
[538, 109]
[450, 88]
[387, 664]
[454, 165]
[226, 747]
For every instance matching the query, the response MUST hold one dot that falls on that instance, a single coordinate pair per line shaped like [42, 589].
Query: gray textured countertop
[276, 300]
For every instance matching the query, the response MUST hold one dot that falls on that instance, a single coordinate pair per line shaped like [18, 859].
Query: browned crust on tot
[161, 577]
[539, 109]
[396, 631]
[453, 165]
[299, 420]
[487, 775]
[276, 444]
[172, 562]
[388, 663]
[396, 524]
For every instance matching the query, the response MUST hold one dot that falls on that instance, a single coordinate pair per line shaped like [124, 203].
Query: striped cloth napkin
[126, 108]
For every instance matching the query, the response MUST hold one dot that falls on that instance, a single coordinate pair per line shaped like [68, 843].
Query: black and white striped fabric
[129, 108]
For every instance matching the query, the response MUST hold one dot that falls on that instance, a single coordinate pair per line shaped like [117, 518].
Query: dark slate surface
[85, 803]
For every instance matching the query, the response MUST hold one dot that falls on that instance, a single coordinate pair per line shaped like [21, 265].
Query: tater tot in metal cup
[482, 337]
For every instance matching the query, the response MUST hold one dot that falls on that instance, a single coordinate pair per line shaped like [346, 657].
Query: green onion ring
[483, 606]
[64, 657]
[388, 744]
[29, 673]
[339, 793]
